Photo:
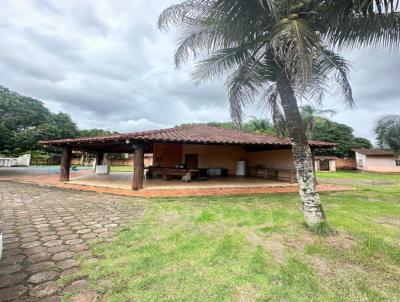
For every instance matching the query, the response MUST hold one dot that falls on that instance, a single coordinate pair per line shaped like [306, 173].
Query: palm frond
[243, 85]
[360, 23]
[293, 43]
[225, 60]
[331, 63]
[271, 100]
[194, 39]
[380, 31]
[177, 13]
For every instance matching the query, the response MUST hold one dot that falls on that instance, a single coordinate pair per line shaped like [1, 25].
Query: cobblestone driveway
[45, 229]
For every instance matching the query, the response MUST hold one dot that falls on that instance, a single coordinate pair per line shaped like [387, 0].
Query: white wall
[382, 164]
[361, 161]
[377, 163]
[23, 160]
[332, 165]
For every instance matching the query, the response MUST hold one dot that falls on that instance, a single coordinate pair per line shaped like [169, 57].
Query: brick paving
[45, 229]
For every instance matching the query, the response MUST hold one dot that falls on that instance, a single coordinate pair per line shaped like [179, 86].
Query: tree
[24, 121]
[281, 51]
[259, 125]
[310, 114]
[329, 131]
[388, 132]
[94, 132]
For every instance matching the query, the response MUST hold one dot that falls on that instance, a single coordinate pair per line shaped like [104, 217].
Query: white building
[377, 160]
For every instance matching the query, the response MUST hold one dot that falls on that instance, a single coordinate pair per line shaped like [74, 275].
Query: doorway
[324, 165]
[191, 161]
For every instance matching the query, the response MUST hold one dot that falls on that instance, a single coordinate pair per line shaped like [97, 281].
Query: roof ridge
[199, 132]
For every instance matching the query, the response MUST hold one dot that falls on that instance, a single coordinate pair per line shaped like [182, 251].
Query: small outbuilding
[377, 160]
[325, 163]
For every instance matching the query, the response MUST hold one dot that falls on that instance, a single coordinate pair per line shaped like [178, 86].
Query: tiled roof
[199, 133]
[374, 152]
[323, 157]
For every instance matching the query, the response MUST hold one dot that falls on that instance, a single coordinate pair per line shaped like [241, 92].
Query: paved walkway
[45, 229]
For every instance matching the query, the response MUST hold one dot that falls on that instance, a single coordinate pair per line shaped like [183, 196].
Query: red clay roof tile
[199, 133]
[374, 152]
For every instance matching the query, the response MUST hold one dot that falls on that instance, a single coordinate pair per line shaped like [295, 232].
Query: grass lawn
[121, 168]
[255, 248]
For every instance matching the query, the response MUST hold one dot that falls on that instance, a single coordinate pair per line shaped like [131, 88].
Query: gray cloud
[106, 64]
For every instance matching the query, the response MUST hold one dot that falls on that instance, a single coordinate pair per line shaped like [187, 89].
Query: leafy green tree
[329, 131]
[309, 115]
[388, 132]
[281, 51]
[24, 121]
[259, 125]
[228, 125]
[94, 132]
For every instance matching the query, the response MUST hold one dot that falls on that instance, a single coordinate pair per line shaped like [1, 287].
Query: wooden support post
[138, 168]
[65, 163]
[99, 158]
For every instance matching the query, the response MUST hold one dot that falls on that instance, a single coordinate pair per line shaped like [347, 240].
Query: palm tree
[309, 115]
[259, 125]
[388, 132]
[281, 51]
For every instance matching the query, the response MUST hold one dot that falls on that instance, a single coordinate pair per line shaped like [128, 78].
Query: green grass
[121, 168]
[256, 248]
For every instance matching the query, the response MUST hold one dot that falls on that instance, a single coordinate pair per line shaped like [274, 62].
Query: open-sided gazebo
[187, 150]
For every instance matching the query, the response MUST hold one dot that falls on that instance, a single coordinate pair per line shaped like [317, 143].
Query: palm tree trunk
[312, 208]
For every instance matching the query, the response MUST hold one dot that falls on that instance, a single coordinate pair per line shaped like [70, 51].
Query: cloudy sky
[105, 63]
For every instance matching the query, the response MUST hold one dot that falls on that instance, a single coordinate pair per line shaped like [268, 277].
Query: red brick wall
[346, 164]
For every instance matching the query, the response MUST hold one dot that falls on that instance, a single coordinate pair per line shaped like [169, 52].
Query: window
[398, 162]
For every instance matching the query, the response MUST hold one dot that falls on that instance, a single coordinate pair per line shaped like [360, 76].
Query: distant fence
[148, 161]
[346, 164]
[21, 161]
[82, 160]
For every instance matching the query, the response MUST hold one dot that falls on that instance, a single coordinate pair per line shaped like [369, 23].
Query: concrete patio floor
[123, 180]
[156, 187]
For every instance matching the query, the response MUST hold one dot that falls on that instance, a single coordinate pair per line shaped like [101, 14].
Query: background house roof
[324, 157]
[374, 152]
[198, 133]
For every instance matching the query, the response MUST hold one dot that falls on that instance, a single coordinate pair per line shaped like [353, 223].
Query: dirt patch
[341, 241]
[379, 182]
[269, 243]
[301, 241]
[169, 217]
[321, 266]
[334, 272]
[298, 242]
[391, 221]
[247, 293]
[347, 181]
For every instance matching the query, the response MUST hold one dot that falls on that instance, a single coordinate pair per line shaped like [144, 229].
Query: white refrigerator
[241, 168]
